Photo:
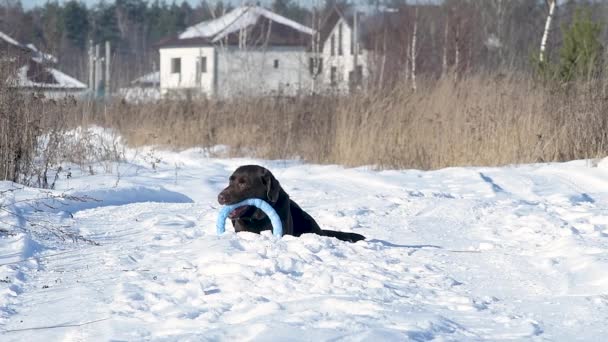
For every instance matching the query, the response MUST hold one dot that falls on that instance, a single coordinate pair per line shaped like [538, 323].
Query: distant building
[145, 88]
[339, 59]
[248, 51]
[33, 71]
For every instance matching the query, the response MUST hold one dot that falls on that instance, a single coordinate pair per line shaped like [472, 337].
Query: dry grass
[477, 120]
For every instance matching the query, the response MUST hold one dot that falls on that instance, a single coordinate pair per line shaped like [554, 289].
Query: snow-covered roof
[237, 19]
[41, 75]
[151, 78]
[59, 80]
[65, 80]
[5, 37]
[40, 56]
[36, 54]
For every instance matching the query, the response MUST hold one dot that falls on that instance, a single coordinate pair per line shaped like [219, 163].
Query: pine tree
[281, 7]
[106, 26]
[52, 27]
[76, 23]
[581, 52]
[290, 9]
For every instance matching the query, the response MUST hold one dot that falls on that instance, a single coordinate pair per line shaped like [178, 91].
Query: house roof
[368, 25]
[175, 41]
[29, 49]
[152, 78]
[12, 49]
[9, 40]
[257, 22]
[330, 21]
[35, 75]
[33, 70]
[347, 13]
[269, 33]
[40, 56]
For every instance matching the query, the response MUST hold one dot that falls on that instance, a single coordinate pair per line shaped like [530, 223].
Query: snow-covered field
[465, 254]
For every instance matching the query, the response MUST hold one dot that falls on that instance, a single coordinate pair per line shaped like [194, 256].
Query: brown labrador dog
[253, 181]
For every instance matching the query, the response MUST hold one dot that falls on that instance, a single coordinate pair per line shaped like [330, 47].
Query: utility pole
[315, 60]
[97, 70]
[446, 32]
[356, 48]
[107, 61]
[413, 49]
[91, 68]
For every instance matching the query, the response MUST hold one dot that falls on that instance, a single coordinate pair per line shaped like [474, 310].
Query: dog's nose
[221, 198]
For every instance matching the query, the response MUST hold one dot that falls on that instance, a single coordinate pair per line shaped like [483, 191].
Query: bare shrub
[38, 134]
[19, 128]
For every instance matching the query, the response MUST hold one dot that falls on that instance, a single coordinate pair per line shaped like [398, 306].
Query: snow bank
[460, 254]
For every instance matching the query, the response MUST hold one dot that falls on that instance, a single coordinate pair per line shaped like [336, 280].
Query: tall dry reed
[475, 120]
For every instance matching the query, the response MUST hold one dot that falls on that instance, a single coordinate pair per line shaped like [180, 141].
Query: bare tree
[446, 32]
[315, 60]
[413, 51]
[543, 44]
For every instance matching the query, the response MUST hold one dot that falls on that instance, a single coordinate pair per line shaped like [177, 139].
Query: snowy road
[464, 254]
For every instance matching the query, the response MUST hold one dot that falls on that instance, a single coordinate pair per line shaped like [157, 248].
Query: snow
[140, 94]
[459, 254]
[66, 81]
[41, 57]
[150, 78]
[235, 20]
[9, 39]
[143, 89]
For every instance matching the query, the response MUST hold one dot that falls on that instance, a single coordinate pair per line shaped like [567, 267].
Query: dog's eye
[242, 183]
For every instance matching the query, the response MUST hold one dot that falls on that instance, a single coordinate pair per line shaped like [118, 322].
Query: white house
[248, 51]
[338, 63]
[34, 71]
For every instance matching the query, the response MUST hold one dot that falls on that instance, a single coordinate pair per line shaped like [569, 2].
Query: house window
[333, 45]
[334, 76]
[352, 42]
[201, 68]
[176, 65]
[276, 63]
[355, 77]
[340, 39]
[315, 62]
[197, 72]
[203, 62]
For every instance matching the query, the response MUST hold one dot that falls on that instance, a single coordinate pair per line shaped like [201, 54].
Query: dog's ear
[272, 186]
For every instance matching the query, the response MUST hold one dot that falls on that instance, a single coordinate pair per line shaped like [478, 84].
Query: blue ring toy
[277, 226]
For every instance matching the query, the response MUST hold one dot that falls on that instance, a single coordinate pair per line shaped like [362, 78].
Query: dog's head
[249, 181]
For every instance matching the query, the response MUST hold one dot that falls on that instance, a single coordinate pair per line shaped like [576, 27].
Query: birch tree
[444, 60]
[413, 50]
[543, 43]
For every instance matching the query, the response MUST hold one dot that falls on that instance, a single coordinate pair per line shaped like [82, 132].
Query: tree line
[456, 35]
